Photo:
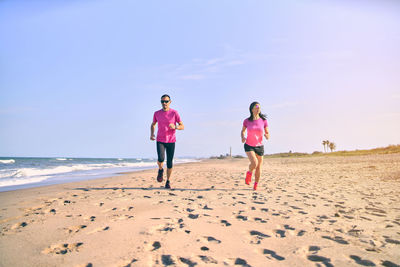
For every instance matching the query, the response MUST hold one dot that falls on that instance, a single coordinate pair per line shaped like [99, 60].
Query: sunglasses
[164, 101]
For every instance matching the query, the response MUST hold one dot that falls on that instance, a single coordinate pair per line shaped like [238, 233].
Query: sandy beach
[317, 211]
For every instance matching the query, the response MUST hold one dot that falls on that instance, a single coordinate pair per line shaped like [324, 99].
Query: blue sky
[83, 78]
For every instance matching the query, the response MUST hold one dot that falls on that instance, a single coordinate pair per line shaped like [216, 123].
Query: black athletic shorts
[259, 150]
[166, 147]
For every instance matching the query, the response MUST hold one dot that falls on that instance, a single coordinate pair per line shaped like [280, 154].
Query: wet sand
[320, 211]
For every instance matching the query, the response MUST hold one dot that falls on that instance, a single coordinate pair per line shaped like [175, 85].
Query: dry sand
[325, 211]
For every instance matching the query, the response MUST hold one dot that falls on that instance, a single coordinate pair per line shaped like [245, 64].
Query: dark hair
[165, 96]
[262, 116]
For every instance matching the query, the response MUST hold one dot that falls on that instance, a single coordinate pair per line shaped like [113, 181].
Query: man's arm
[152, 129]
[180, 126]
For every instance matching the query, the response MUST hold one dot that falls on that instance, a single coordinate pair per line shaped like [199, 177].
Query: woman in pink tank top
[257, 127]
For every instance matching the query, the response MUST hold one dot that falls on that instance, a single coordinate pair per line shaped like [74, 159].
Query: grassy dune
[381, 150]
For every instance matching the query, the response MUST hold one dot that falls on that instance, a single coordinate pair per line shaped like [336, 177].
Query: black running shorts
[166, 147]
[259, 150]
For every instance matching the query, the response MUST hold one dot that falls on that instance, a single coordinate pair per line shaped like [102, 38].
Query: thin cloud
[283, 105]
[199, 68]
[397, 96]
[387, 115]
[16, 110]
[203, 68]
[193, 77]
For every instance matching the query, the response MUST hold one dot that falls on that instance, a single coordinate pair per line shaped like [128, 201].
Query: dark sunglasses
[164, 101]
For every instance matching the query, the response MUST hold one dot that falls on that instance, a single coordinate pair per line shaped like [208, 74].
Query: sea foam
[7, 161]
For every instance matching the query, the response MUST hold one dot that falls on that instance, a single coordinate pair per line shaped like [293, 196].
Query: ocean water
[17, 173]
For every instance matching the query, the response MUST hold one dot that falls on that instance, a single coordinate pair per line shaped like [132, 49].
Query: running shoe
[160, 175]
[255, 186]
[248, 178]
[167, 186]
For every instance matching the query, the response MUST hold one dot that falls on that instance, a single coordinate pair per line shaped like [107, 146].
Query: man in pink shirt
[168, 121]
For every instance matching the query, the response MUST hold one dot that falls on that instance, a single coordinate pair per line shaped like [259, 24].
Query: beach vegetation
[227, 156]
[391, 149]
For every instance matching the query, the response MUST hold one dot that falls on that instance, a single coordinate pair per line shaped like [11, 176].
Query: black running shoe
[160, 175]
[167, 185]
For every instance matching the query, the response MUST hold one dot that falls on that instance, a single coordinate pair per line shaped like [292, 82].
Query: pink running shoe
[255, 186]
[248, 178]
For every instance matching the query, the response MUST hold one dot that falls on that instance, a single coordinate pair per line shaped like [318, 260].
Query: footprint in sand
[107, 210]
[241, 217]
[273, 254]
[392, 241]
[260, 220]
[156, 245]
[208, 259]
[100, 229]
[85, 265]
[169, 227]
[181, 224]
[314, 249]
[119, 217]
[188, 262]
[167, 260]
[19, 225]
[288, 227]
[91, 218]
[52, 211]
[66, 202]
[193, 216]
[62, 248]
[316, 258]
[225, 223]
[212, 240]
[337, 239]
[241, 262]
[35, 210]
[257, 236]
[389, 264]
[129, 263]
[74, 229]
[362, 262]
[280, 233]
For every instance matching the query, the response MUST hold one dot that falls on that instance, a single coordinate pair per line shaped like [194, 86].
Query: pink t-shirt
[255, 131]
[164, 119]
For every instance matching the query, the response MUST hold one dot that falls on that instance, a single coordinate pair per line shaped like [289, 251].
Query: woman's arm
[242, 134]
[266, 133]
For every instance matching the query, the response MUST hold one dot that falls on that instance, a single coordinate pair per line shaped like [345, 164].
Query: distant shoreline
[70, 177]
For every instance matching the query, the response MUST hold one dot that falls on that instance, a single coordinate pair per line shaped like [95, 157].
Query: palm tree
[332, 146]
[325, 143]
